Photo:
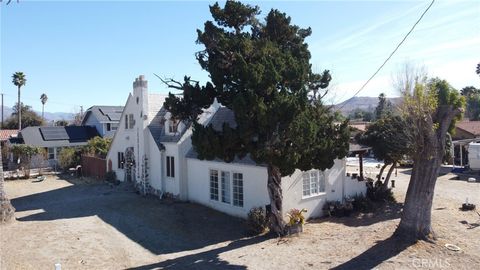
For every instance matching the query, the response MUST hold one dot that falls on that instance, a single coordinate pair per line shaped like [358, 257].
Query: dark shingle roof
[104, 113]
[221, 116]
[472, 127]
[156, 113]
[58, 136]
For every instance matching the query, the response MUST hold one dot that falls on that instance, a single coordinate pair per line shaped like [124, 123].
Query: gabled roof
[157, 113]
[221, 116]
[58, 136]
[104, 113]
[472, 127]
[6, 134]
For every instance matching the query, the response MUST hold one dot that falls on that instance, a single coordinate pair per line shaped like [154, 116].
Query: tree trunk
[43, 112]
[417, 210]
[416, 221]
[274, 187]
[379, 178]
[6, 209]
[389, 174]
[19, 108]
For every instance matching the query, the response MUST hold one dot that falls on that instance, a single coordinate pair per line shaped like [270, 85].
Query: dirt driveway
[96, 226]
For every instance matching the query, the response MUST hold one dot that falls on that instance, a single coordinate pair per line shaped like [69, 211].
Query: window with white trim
[51, 153]
[238, 189]
[131, 121]
[214, 185]
[225, 187]
[170, 166]
[113, 126]
[120, 160]
[313, 183]
[126, 121]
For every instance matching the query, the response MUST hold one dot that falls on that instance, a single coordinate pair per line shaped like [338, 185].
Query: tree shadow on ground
[389, 211]
[206, 260]
[158, 226]
[381, 252]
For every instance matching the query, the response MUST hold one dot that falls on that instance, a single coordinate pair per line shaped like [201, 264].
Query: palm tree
[43, 99]
[6, 209]
[19, 80]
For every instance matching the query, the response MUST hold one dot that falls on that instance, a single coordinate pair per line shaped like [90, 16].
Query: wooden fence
[94, 167]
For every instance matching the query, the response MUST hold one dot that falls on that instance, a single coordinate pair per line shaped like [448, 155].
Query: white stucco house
[157, 155]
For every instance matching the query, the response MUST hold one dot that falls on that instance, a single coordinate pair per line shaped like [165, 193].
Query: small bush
[377, 193]
[257, 222]
[111, 176]
[68, 157]
[338, 209]
[296, 216]
[362, 204]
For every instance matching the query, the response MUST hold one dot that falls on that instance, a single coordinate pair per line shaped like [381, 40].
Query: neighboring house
[55, 138]
[104, 118]
[466, 132]
[156, 154]
[7, 134]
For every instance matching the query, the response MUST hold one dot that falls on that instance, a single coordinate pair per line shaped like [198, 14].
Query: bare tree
[431, 107]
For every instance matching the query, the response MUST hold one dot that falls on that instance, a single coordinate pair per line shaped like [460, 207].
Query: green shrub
[338, 209]
[377, 193]
[362, 204]
[257, 222]
[68, 157]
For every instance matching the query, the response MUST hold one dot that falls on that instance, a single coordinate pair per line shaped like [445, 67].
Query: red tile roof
[472, 127]
[5, 134]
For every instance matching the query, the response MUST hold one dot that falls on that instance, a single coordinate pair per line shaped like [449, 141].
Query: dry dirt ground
[95, 226]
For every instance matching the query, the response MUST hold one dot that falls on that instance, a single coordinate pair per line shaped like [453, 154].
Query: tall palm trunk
[19, 108]
[6, 209]
[43, 110]
[274, 186]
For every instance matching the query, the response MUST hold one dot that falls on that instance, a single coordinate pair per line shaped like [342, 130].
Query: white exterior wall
[255, 192]
[155, 164]
[474, 156]
[292, 187]
[123, 139]
[172, 184]
[337, 186]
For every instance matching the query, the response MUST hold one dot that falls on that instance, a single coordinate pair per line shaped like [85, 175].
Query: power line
[391, 54]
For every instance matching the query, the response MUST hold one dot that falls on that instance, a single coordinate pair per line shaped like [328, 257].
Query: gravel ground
[88, 225]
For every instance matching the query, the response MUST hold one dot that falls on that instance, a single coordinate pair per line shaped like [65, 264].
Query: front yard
[96, 226]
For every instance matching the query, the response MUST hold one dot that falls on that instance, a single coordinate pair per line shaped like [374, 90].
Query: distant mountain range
[362, 103]
[49, 116]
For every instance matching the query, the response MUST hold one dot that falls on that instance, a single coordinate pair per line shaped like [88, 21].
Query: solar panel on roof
[53, 133]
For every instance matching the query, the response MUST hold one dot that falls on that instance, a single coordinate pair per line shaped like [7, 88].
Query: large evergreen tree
[390, 138]
[384, 107]
[261, 71]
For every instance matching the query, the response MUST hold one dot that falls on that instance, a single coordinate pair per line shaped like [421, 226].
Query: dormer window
[173, 126]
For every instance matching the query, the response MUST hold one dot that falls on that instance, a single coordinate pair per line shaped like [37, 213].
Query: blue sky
[86, 53]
